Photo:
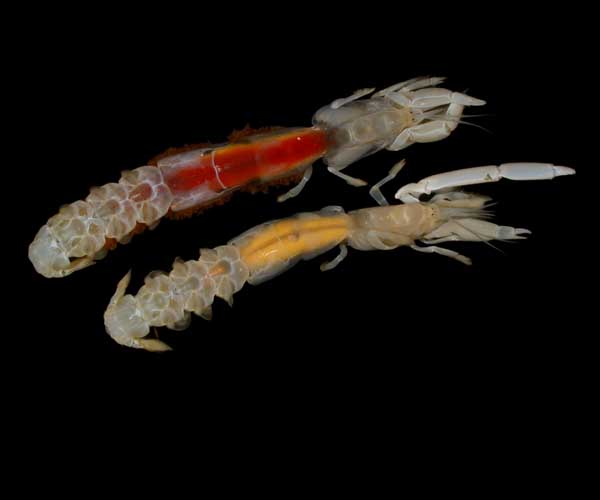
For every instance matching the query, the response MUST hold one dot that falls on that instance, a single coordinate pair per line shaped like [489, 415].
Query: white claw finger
[466, 100]
[527, 171]
[412, 84]
[508, 232]
[558, 171]
[425, 82]
[338, 103]
[395, 87]
[432, 97]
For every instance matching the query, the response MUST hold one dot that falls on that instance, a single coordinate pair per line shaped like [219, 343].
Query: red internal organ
[237, 164]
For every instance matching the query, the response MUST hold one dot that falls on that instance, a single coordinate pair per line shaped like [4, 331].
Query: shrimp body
[83, 231]
[184, 182]
[269, 249]
[255, 256]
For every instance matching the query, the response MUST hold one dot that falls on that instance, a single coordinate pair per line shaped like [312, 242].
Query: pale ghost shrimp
[192, 178]
[269, 249]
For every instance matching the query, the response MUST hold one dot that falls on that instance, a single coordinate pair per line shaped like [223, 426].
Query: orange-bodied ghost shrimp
[195, 177]
[269, 249]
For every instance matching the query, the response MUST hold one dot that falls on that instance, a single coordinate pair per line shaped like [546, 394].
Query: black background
[106, 94]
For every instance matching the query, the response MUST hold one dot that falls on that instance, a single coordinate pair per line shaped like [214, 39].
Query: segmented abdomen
[83, 231]
[255, 256]
[111, 212]
[169, 299]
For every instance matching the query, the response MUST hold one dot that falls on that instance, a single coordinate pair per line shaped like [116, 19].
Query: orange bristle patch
[247, 131]
[178, 150]
[189, 212]
[235, 136]
[111, 243]
[262, 187]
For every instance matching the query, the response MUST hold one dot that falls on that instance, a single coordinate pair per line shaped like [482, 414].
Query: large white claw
[480, 175]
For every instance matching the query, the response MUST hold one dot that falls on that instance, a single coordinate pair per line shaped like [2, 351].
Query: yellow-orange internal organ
[271, 248]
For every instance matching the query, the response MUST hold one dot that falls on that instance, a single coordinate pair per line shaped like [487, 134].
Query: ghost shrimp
[189, 179]
[269, 249]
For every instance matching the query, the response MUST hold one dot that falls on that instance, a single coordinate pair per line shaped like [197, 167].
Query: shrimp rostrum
[191, 178]
[269, 249]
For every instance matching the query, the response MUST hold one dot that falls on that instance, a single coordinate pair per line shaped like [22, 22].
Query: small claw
[436, 80]
[412, 84]
[433, 97]
[467, 100]
[406, 194]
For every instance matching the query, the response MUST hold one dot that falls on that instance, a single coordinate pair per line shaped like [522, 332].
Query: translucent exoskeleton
[269, 249]
[195, 177]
